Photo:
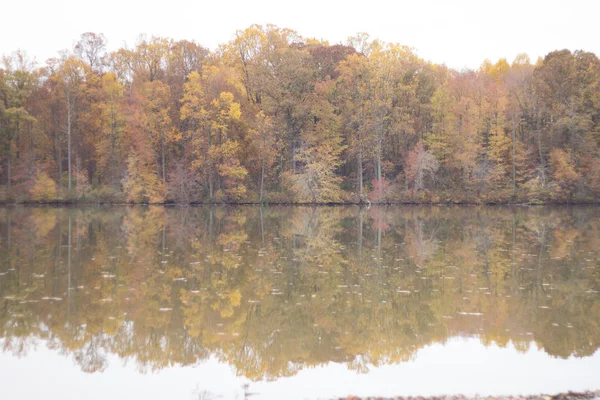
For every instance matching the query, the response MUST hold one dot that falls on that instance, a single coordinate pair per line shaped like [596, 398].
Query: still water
[297, 302]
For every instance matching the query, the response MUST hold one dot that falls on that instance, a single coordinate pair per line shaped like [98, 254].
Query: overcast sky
[459, 33]
[459, 365]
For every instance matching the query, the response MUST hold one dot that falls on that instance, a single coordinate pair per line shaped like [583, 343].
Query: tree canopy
[272, 116]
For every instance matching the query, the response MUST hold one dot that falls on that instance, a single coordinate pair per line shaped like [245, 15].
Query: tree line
[274, 117]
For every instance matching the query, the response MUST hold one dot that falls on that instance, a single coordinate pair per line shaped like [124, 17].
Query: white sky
[459, 33]
[460, 366]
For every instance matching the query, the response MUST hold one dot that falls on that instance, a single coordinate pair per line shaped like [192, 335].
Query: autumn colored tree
[317, 181]
[565, 173]
[91, 48]
[264, 139]
[223, 153]
[160, 130]
[17, 84]
[355, 88]
[198, 133]
[274, 116]
[44, 188]
[420, 166]
[70, 76]
[230, 170]
[109, 146]
[141, 184]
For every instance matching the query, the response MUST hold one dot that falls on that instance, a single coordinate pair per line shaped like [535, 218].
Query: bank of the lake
[590, 202]
[591, 395]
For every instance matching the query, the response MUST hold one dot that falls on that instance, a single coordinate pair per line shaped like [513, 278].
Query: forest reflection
[273, 290]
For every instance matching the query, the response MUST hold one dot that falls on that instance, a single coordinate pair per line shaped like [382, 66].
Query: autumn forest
[274, 117]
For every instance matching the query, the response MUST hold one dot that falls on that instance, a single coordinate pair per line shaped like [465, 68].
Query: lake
[297, 302]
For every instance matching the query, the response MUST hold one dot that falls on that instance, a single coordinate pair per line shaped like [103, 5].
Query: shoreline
[588, 395]
[296, 204]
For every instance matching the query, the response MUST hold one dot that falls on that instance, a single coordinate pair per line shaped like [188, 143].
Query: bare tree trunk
[8, 235]
[8, 180]
[157, 164]
[210, 172]
[262, 228]
[360, 232]
[69, 135]
[294, 156]
[69, 270]
[58, 144]
[514, 133]
[162, 156]
[262, 174]
[539, 144]
[113, 160]
[379, 143]
[77, 167]
[60, 171]
[360, 176]
[572, 129]
[379, 150]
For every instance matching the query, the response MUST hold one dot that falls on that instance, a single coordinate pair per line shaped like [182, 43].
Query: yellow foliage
[232, 172]
[141, 185]
[192, 107]
[565, 172]
[44, 188]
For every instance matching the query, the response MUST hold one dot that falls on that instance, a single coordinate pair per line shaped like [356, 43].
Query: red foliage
[379, 191]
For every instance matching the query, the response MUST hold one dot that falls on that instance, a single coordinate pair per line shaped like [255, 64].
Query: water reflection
[272, 291]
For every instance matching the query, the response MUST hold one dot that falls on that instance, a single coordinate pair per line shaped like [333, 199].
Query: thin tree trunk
[60, 171]
[379, 151]
[162, 156]
[8, 180]
[58, 144]
[378, 167]
[8, 235]
[69, 271]
[69, 136]
[262, 228]
[112, 154]
[360, 232]
[210, 172]
[294, 156]
[262, 174]
[514, 133]
[379, 142]
[360, 176]
[572, 130]
[539, 144]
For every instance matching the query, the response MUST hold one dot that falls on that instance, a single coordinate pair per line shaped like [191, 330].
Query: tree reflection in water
[274, 290]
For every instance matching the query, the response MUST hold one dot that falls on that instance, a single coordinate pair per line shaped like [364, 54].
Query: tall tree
[17, 83]
[157, 108]
[91, 49]
[70, 75]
